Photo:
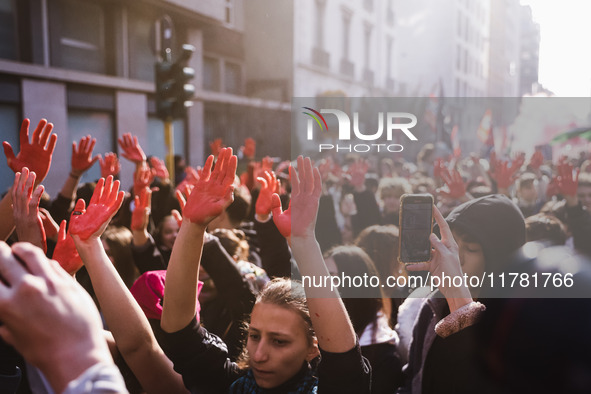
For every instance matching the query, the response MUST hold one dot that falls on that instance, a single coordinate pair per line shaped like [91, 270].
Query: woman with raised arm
[285, 330]
[477, 239]
[124, 317]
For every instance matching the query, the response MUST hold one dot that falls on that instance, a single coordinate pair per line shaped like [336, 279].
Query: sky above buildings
[565, 57]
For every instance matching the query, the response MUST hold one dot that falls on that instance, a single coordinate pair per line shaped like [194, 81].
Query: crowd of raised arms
[197, 285]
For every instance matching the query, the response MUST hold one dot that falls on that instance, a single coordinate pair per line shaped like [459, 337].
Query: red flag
[455, 141]
[430, 114]
[484, 132]
[504, 139]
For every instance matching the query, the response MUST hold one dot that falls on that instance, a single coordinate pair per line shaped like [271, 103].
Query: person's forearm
[127, 322]
[459, 301]
[505, 191]
[274, 250]
[70, 366]
[327, 311]
[32, 232]
[70, 185]
[117, 304]
[140, 237]
[571, 201]
[182, 274]
[7, 222]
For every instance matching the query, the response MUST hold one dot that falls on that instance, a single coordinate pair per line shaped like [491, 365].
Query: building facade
[530, 53]
[88, 67]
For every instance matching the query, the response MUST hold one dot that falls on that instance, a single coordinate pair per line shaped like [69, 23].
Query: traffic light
[173, 90]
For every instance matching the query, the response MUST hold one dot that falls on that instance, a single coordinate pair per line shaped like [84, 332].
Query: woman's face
[170, 230]
[391, 201]
[584, 195]
[277, 344]
[471, 257]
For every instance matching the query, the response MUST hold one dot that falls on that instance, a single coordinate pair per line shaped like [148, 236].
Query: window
[232, 78]
[141, 58]
[346, 66]
[229, 8]
[320, 7]
[346, 33]
[367, 49]
[211, 74]
[465, 61]
[389, 47]
[320, 57]
[78, 36]
[8, 43]
[90, 111]
[10, 120]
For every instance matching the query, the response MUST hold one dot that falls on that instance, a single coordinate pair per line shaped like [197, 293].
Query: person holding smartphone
[477, 237]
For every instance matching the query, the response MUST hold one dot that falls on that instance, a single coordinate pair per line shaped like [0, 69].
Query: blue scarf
[304, 382]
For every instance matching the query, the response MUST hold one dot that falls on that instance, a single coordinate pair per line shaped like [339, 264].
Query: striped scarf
[303, 383]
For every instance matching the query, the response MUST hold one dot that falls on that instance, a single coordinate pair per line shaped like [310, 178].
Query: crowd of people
[194, 284]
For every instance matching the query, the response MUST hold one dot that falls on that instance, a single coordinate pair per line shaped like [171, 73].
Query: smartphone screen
[416, 224]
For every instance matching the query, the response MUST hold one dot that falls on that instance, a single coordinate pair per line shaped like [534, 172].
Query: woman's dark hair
[381, 245]
[362, 303]
[234, 241]
[119, 240]
[158, 231]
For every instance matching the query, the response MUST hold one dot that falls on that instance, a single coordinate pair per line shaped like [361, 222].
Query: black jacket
[202, 360]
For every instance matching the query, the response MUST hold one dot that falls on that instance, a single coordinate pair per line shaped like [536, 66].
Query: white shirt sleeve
[98, 379]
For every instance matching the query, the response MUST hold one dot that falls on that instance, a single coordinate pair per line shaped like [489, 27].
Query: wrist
[465, 197]
[140, 237]
[192, 227]
[571, 200]
[503, 190]
[306, 237]
[456, 303]
[76, 174]
[262, 217]
[360, 188]
[457, 296]
[82, 245]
